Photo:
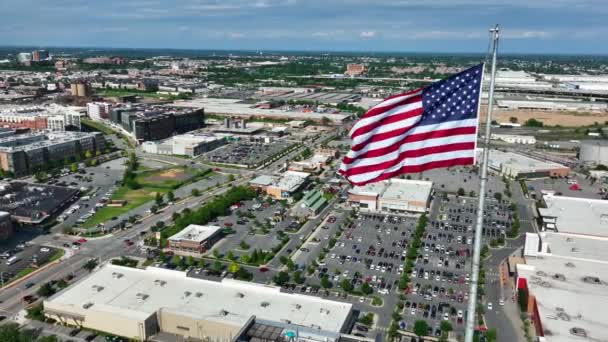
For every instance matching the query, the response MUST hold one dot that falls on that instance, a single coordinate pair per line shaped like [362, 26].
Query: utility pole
[471, 314]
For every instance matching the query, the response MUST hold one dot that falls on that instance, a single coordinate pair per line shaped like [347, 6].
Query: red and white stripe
[387, 142]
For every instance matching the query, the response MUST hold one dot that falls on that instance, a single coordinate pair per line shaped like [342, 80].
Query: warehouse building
[514, 138]
[33, 203]
[574, 215]
[397, 196]
[594, 152]
[190, 144]
[139, 304]
[515, 165]
[194, 239]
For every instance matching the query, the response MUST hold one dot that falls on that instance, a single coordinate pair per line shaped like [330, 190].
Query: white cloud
[367, 34]
[527, 34]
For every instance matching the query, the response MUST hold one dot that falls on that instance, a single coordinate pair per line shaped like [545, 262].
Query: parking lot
[565, 187]
[260, 224]
[441, 276]
[24, 255]
[246, 154]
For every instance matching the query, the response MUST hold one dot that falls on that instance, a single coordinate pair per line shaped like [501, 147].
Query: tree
[366, 289]
[446, 326]
[230, 255]
[491, 335]
[243, 245]
[513, 119]
[176, 260]
[498, 196]
[460, 192]
[533, 123]
[522, 299]
[231, 178]
[298, 278]
[170, 196]
[326, 283]
[175, 216]
[159, 198]
[472, 193]
[190, 261]
[45, 290]
[195, 193]
[88, 154]
[421, 328]
[217, 266]
[346, 285]
[281, 278]
[234, 267]
[90, 265]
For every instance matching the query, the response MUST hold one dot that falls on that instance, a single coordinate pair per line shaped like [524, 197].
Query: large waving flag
[427, 128]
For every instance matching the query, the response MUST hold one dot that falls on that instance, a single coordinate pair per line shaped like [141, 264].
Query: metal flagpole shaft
[471, 316]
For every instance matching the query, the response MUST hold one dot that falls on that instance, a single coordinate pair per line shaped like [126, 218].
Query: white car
[489, 306]
[501, 302]
[45, 250]
[446, 316]
[459, 313]
[75, 247]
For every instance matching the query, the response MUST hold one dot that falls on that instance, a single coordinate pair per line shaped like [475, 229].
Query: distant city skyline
[533, 26]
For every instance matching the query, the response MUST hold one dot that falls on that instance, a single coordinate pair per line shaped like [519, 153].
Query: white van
[12, 260]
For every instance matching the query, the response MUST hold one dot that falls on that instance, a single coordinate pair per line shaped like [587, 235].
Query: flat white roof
[568, 278]
[396, 189]
[233, 107]
[577, 215]
[263, 180]
[195, 232]
[199, 298]
[291, 180]
[519, 162]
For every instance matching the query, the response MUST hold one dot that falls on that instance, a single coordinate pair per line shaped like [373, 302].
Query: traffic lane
[321, 235]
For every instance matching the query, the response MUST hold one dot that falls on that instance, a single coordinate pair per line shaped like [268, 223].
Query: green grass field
[152, 182]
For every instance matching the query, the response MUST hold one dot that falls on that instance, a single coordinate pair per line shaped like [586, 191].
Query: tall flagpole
[471, 316]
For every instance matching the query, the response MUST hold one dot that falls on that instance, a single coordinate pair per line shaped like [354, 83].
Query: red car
[263, 269]
[81, 240]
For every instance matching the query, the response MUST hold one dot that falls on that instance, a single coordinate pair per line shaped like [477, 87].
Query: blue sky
[529, 26]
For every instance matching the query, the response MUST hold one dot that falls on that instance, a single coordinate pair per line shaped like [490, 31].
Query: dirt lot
[169, 174]
[551, 118]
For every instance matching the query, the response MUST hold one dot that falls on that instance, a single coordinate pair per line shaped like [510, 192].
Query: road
[112, 245]
[506, 319]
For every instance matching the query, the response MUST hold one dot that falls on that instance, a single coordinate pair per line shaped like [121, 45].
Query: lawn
[152, 182]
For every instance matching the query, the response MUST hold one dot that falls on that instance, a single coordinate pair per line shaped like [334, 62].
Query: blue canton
[455, 98]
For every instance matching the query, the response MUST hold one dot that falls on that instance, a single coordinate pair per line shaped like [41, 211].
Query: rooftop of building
[519, 161]
[195, 232]
[235, 107]
[32, 202]
[137, 294]
[396, 189]
[569, 284]
[23, 142]
[291, 180]
[577, 215]
[263, 180]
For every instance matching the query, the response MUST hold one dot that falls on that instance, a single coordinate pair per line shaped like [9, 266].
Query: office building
[397, 196]
[354, 69]
[40, 55]
[27, 153]
[143, 304]
[24, 57]
[516, 165]
[80, 89]
[6, 226]
[157, 123]
[189, 144]
[194, 239]
[98, 110]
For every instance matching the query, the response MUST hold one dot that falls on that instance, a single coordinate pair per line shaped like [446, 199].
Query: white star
[442, 94]
[443, 105]
[474, 81]
[477, 71]
[433, 116]
[442, 86]
[433, 96]
[467, 75]
[462, 111]
[453, 83]
[443, 115]
[457, 77]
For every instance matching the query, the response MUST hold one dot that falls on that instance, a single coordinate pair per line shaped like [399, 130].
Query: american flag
[427, 128]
